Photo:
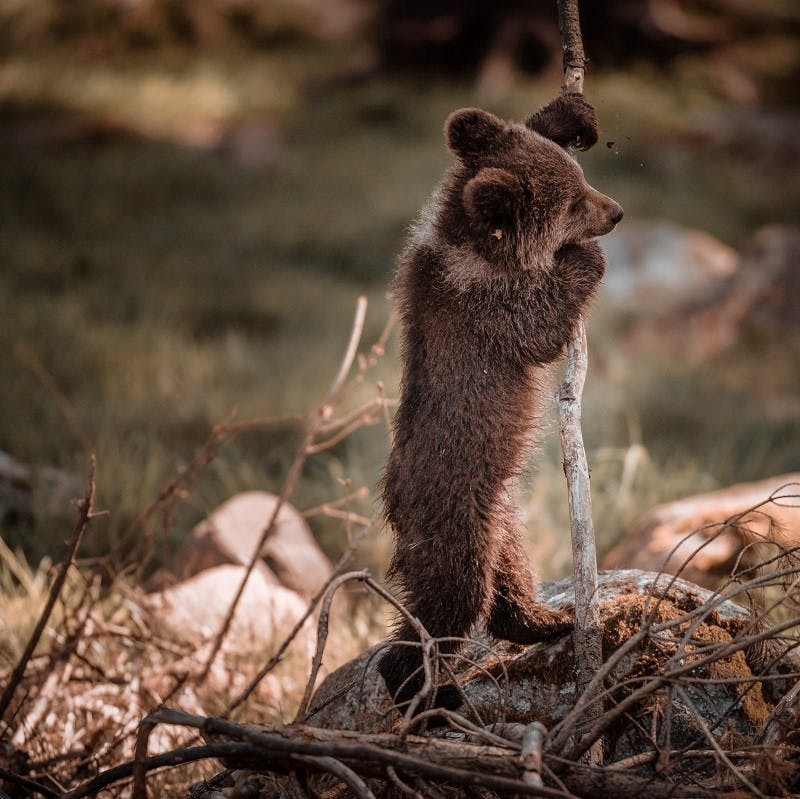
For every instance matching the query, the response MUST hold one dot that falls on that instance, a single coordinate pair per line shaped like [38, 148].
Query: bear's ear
[471, 132]
[492, 197]
[568, 120]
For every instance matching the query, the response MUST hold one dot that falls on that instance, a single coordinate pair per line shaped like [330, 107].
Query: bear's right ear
[471, 132]
[492, 198]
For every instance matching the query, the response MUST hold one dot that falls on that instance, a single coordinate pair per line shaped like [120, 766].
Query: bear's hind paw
[541, 623]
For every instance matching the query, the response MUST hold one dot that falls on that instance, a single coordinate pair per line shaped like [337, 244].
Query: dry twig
[305, 449]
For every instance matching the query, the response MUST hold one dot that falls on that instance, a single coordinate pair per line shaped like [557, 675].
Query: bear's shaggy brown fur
[490, 287]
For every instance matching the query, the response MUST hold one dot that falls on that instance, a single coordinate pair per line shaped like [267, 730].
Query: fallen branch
[29, 785]
[531, 755]
[322, 637]
[338, 769]
[453, 762]
[176, 757]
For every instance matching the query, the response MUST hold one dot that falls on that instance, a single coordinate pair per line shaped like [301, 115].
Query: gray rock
[516, 684]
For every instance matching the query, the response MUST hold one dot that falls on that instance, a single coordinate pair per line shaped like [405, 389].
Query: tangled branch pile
[697, 695]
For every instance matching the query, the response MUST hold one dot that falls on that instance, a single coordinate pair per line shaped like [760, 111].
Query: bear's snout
[604, 214]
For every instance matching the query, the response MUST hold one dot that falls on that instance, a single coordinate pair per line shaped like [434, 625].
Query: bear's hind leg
[516, 615]
[445, 608]
[402, 670]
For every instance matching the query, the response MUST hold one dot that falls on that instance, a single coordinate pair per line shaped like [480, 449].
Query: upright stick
[588, 634]
[574, 59]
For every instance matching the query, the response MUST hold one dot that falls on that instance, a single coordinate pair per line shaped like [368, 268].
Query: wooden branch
[531, 754]
[29, 785]
[601, 783]
[588, 634]
[338, 769]
[456, 762]
[322, 637]
[84, 516]
[174, 758]
[350, 353]
[139, 789]
[353, 755]
[574, 59]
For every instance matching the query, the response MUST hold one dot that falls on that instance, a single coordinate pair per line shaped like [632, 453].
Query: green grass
[163, 286]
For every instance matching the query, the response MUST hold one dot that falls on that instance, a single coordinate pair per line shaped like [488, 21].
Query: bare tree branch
[369, 754]
[322, 637]
[29, 785]
[302, 453]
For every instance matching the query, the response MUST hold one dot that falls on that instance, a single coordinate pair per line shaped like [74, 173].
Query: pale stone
[711, 534]
[231, 532]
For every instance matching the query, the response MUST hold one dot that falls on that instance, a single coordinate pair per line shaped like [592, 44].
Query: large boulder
[706, 536]
[698, 677]
[194, 611]
[525, 684]
[229, 535]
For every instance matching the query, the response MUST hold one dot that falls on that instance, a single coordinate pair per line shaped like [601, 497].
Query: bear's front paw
[569, 121]
[585, 131]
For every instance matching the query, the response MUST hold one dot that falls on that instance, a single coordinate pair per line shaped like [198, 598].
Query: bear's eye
[577, 205]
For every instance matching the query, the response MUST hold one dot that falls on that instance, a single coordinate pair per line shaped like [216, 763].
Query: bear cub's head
[516, 194]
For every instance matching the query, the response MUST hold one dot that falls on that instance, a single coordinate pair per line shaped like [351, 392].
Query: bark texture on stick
[572, 42]
[531, 754]
[588, 635]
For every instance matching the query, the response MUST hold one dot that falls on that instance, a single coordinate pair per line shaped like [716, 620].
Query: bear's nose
[617, 214]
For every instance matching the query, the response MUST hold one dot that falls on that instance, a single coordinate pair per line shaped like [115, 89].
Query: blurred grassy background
[185, 226]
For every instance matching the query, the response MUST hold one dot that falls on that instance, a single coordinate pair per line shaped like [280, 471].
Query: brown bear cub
[496, 274]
